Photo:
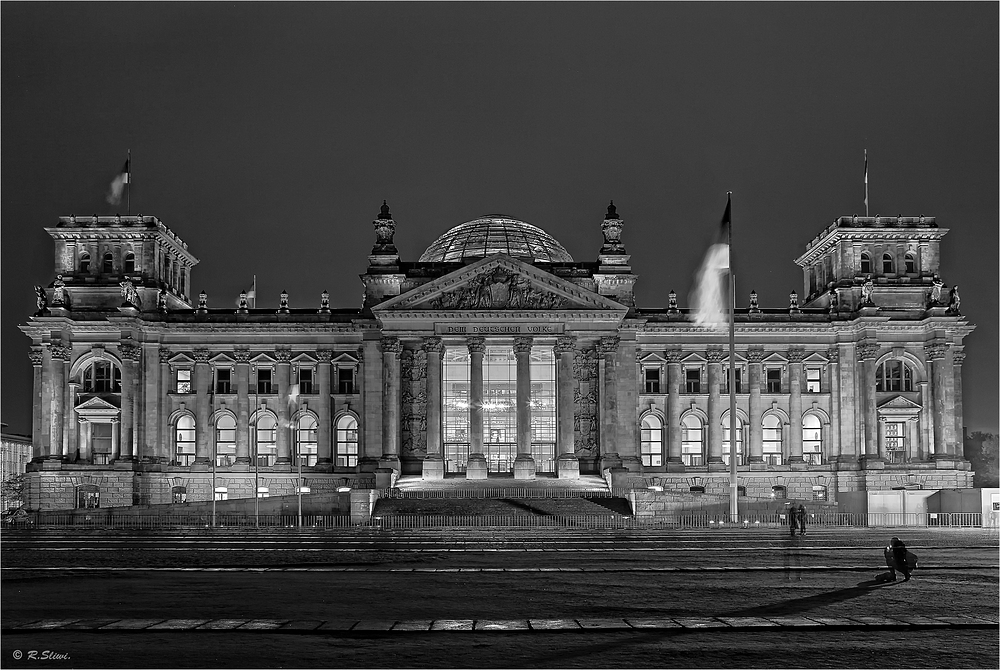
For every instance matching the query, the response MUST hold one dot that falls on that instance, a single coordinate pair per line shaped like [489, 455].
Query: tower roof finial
[612, 211]
[384, 214]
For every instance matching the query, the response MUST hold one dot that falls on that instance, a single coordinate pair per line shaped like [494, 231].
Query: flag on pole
[252, 293]
[866, 182]
[709, 295]
[118, 185]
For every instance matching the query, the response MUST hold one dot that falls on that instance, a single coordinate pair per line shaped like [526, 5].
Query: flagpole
[255, 292]
[734, 513]
[866, 183]
[128, 193]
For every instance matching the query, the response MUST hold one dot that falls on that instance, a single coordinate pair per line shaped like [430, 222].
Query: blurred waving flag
[118, 185]
[709, 295]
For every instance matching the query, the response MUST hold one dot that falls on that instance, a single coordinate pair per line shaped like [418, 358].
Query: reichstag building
[493, 355]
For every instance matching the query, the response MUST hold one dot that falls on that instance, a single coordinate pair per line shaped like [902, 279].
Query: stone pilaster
[391, 397]
[242, 357]
[608, 348]
[867, 353]
[371, 393]
[283, 373]
[130, 354]
[476, 467]
[958, 357]
[715, 356]
[847, 401]
[524, 464]
[755, 370]
[795, 357]
[926, 420]
[674, 461]
[936, 354]
[202, 381]
[37, 357]
[324, 446]
[433, 465]
[833, 375]
[567, 464]
[58, 355]
[164, 453]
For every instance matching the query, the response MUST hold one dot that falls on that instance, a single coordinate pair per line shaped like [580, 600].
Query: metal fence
[110, 520]
[499, 493]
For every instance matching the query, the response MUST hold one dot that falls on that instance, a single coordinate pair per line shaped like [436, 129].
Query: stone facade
[495, 354]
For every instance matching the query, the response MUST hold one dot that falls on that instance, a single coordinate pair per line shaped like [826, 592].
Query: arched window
[911, 264]
[771, 425]
[347, 442]
[184, 437]
[894, 376]
[84, 262]
[305, 439]
[225, 441]
[267, 436]
[109, 263]
[866, 263]
[887, 264]
[651, 446]
[812, 440]
[101, 376]
[129, 264]
[692, 441]
[726, 447]
[88, 496]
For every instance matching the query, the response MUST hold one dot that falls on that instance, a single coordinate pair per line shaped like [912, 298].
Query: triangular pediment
[96, 407]
[899, 402]
[498, 283]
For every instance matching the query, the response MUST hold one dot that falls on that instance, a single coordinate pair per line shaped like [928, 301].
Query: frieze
[585, 403]
[507, 329]
[499, 289]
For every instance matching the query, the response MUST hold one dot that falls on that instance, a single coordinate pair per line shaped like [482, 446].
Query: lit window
[812, 440]
[692, 443]
[264, 380]
[100, 442]
[819, 493]
[88, 496]
[866, 264]
[771, 426]
[741, 491]
[779, 492]
[109, 263]
[887, 264]
[345, 380]
[179, 494]
[892, 376]
[306, 440]
[651, 448]
[347, 442]
[183, 380]
[84, 262]
[101, 377]
[652, 379]
[774, 380]
[812, 380]
[267, 436]
[184, 440]
[221, 493]
[306, 380]
[726, 446]
[223, 380]
[263, 492]
[692, 380]
[225, 441]
[129, 264]
[895, 441]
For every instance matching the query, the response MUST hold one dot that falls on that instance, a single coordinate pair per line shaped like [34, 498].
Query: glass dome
[495, 234]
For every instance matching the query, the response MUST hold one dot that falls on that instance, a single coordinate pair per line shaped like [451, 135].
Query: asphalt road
[504, 575]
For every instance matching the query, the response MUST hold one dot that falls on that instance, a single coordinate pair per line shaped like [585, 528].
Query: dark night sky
[267, 135]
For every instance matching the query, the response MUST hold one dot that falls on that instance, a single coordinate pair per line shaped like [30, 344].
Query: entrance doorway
[500, 457]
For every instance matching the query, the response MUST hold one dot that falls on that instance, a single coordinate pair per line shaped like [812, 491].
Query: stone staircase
[539, 507]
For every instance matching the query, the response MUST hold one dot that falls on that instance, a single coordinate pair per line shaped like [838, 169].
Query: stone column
[524, 464]
[833, 375]
[116, 439]
[715, 356]
[755, 370]
[433, 465]
[58, 355]
[914, 448]
[128, 354]
[202, 380]
[282, 442]
[958, 357]
[795, 357]
[868, 352]
[150, 405]
[370, 373]
[242, 357]
[567, 464]
[164, 454]
[881, 435]
[926, 419]
[477, 467]
[674, 461]
[324, 446]
[69, 420]
[848, 404]
[36, 357]
[391, 400]
[935, 353]
[608, 347]
[84, 432]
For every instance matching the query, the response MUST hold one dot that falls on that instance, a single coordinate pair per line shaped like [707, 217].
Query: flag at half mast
[118, 184]
[709, 298]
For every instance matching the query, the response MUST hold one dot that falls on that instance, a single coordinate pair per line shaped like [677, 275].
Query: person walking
[800, 513]
[792, 520]
[895, 559]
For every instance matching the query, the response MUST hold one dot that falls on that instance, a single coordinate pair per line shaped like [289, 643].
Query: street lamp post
[256, 457]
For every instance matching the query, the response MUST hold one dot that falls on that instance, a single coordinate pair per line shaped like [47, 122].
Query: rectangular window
[652, 379]
[221, 493]
[345, 381]
[264, 380]
[739, 380]
[306, 380]
[223, 380]
[895, 441]
[692, 380]
[183, 381]
[819, 493]
[100, 442]
[812, 380]
[774, 380]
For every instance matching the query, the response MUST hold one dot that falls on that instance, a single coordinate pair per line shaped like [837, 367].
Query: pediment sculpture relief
[498, 289]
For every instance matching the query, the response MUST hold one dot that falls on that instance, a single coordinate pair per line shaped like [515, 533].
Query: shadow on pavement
[799, 605]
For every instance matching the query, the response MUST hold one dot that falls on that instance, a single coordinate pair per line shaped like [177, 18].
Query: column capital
[476, 344]
[833, 354]
[390, 345]
[958, 357]
[715, 354]
[165, 355]
[433, 345]
[673, 355]
[201, 355]
[283, 355]
[936, 351]
[609, 344]
[755, 355]
[867, 350]
[796, 354]
[36, 355]
[130, 352]
[522, 344]
[241, 355]
[565, 345]
[324, 355]
[60, 352]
